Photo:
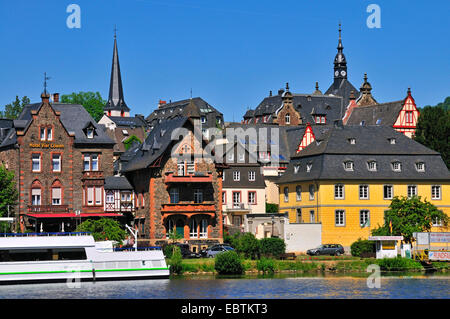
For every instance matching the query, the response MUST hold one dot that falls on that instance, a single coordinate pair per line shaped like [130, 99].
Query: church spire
[116, 101]
[340, 63]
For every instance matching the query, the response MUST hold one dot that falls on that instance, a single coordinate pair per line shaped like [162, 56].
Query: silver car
[212, 251]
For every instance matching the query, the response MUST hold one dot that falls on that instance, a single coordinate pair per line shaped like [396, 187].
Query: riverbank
[312, 265]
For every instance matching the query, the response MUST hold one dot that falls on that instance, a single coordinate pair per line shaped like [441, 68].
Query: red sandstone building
[177, 192]
[61, 157]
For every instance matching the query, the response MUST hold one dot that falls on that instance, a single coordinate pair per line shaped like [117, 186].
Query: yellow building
[346, 180]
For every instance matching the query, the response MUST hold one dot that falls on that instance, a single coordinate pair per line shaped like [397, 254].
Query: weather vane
[45, 82]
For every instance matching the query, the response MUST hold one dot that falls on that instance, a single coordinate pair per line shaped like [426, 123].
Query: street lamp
[273, 222]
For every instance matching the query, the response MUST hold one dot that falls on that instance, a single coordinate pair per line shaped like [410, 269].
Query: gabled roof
[74, 119]
[117, 183]
[326, 157]
[128, 121]
[154, 146]
[384, 114]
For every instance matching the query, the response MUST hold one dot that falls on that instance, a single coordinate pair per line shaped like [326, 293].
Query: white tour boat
[73, 256]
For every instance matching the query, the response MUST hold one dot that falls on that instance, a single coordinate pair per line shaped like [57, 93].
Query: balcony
[48, 208]
[93, 175]
[205, 207]
[237, 207]
[188, 178]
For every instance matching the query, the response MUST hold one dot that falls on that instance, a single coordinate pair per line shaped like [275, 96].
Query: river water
[247, 287]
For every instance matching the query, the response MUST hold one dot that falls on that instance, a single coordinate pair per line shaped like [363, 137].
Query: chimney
[45, 97]
[161, 103]
[55, 97]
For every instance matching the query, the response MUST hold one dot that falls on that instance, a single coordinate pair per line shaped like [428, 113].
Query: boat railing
[45, 234]
[138, 249]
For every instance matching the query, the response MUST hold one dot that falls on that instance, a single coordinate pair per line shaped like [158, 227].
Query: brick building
[176, 191]
[60, 156]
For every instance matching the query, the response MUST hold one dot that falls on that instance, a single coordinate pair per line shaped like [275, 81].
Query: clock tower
[340, 64]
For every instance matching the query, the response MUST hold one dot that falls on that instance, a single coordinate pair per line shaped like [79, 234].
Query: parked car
[212, 251]
[329, 249]
[185, 251]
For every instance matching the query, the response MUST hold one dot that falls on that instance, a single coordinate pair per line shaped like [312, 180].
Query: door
[180, 228]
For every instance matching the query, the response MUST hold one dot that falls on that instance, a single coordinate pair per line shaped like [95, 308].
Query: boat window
[12, 255]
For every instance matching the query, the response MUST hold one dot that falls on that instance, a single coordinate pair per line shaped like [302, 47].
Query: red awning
[72, 215]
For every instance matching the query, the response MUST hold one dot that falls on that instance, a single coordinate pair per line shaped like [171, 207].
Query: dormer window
[308, 167]
[90, 133]
[372, 166]
[203, 119]
[125, 132]
[396, 166]
[420, 167]
[296, 168]
[348, 165]
[352, 140]
[391, 140]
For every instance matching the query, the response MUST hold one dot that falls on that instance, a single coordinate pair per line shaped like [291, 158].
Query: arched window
[193, 228]
[204, 228]
[287, 119]
[36, 193]
[56, 192]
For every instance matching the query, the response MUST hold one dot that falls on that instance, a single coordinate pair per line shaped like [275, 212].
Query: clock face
[343, 73]
[336, 73]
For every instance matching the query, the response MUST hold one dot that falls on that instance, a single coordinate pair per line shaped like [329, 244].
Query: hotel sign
[46, 145]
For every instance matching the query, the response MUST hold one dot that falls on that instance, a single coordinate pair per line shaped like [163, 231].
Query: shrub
[266, 265]
[362, 246]
[228, 263]
[175, 261]
[272, 247]
[248, 245]
[398, 263]
[168, 251]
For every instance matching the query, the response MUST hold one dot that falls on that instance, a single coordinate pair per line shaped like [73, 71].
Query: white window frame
[56, 158]
[312, 190]
[372, 166]
[364, 191]
[203, 233]
[251, 176]
[236, 176]
[436, 192]
[348, 166]
[36, 161]
[339, 191]
[56, 200]
[298, 193]
[420, 166]
[364, 217]
[193, 228]
[339, 218]
[388, 189]
[412, 189]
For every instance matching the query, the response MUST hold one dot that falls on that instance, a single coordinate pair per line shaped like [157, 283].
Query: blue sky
[230, 52]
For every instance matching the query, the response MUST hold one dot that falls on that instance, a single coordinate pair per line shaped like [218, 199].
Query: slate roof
[331, 149]
[155, 145]
[180, 108]
[342, 87]
[74, 118]
[7, 133]
[128, 121]
[117, 182]
[384, 114]
[306, 104]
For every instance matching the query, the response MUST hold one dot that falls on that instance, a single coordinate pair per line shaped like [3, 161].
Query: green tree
[433, 130]
[271, 208]
[92, 102]
[130, 141]
[409, 215]
[443, 105]
[13, 110]
[8, 191]
[103, 229]
[249, 246]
